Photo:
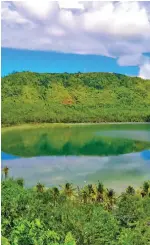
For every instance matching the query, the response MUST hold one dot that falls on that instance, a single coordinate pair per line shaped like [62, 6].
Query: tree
[4, 241]
[100, 192]
[33, 97]
[68, 190]
[84, 195]
[55, 194]
[138, 236]
[128, 210]
[102, 228]
[26, 233]
[40, 187]
[111, 197]
[20, 181]
[91, 192]
[29, 218]
[130, 190]
[146, 186]
[69, 240]
[5, 171]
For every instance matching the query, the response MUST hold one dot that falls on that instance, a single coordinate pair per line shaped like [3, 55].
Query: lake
[116, 154]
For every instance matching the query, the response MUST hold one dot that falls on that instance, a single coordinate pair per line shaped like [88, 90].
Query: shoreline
[6, 128]
[71, 124]
[53, 125]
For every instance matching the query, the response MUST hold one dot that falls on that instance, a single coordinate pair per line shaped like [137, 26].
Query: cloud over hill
[113, 29]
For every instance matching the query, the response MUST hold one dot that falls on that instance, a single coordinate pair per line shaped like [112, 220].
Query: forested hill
[81, 97]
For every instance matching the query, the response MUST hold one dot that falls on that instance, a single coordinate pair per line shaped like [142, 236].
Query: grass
[39, 125]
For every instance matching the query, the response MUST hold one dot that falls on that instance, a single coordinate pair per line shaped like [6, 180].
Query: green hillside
[29, 97]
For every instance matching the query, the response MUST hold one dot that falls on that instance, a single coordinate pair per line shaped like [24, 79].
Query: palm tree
[55, 194]
[5, 171]
[55, 191]
[146, 186]
[40, 187]
[79, 194]
[91, 192]
[68, 190]
[130, 190]
[143, 194]
[100, 191]
[111, 198]
[145, 189]
[84, 195]
[90, 189]
[20, 182]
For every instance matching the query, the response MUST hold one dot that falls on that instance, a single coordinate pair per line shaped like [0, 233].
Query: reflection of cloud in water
[54, 170]
[127, 134]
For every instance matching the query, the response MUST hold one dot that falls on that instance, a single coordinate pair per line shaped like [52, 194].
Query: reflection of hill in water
[102, 140]
[123, 169]
[43, 145]
[126, 134]
[110, 143]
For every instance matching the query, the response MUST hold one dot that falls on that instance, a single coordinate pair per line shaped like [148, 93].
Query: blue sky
[89, 37]
[39, 61]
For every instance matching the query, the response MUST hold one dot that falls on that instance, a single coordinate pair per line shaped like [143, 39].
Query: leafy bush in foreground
[91, 215]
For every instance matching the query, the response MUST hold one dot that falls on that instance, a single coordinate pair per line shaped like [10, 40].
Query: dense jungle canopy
[29, 97]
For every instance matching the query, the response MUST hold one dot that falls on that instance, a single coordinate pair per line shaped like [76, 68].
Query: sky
[49, 36]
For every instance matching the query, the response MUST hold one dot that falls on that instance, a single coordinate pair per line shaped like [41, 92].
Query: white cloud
[38, 10]
[115, 29]
[125, 19]
[56, 31]
[131, 60]
[70, 5]
[145, 70]
[10, 17]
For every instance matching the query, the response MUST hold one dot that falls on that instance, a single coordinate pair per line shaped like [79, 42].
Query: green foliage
[102, 228]
[139, 236]
[73, 216]
[130, 190]
[69, 240]
[4, 241]
[31, 233]
[130, 210]
[82, 97]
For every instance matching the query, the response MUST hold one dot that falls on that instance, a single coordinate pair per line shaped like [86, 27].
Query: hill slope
[81, 97]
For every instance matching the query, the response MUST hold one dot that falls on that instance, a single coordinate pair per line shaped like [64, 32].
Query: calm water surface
[118, 155]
